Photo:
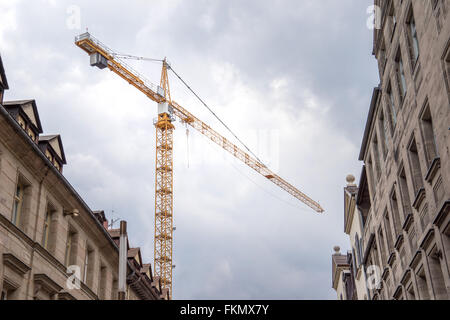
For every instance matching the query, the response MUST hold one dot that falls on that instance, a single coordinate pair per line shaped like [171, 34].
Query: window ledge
[433, 169]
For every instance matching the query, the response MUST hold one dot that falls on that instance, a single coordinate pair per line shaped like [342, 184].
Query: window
[18, 203]
[424, 217]
[411, 293]
[387, 227]
[382, 247]
[392, 108]
[438, 191]
[414, 162]
[47, 223]
[401, 80]
[440, 11]
[88, 266]
[371, 176]
[102, 282]
[31, 134]
[402, 253]
[48, 155]
[382, 57]
[412, 238]
[376, 155]
[412, 37]
[396, 213]
[437, 277]
[69, 248]
[404, 191]
[422, 285]
[115, 289]
[384, 132]
[57, 166]
[358, 251]
[426, 124]
[446, 66]
[393, 20]
[21, 122]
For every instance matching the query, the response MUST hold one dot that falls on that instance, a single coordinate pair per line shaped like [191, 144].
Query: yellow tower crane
[103, 57]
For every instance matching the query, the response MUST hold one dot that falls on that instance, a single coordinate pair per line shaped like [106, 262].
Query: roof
[56, 143]
[3, 74]
[114, 233]
[133, 252]
[369, 121]
[362, 185]
[100, 215]
[30, 109]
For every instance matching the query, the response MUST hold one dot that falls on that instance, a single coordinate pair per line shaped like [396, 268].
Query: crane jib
[103, 57]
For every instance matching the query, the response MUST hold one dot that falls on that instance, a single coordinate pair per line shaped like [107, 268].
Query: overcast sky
[292, 78]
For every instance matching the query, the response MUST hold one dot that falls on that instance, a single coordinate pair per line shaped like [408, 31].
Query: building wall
[407, 153]
[30, 269]
[360, 276]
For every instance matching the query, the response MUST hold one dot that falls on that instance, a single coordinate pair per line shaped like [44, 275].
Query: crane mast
[163, 244]
[103, 57]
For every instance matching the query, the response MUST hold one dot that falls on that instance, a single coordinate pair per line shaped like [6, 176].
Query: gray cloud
[302, 68]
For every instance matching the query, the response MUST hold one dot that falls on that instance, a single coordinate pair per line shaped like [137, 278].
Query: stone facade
[46, 230]
[403, 197]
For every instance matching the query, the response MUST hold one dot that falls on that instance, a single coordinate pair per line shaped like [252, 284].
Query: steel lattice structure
[102, 57]
[164, 201]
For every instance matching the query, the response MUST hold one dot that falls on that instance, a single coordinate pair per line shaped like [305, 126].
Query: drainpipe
[122, 260]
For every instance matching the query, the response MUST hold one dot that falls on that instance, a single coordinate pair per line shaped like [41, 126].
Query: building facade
[52, 245]
[403, 197]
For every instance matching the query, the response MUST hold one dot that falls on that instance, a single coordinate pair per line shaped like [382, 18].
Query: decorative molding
[65, 296]
[15, 263]
[43, 282]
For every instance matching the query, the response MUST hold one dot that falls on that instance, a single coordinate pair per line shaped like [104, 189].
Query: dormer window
[56, 164]
[26, 115]
[31, 134]
[21, 122]
[48, 155]
[53, 150]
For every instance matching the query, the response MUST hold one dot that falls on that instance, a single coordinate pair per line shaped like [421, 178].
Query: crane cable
[210, 110]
